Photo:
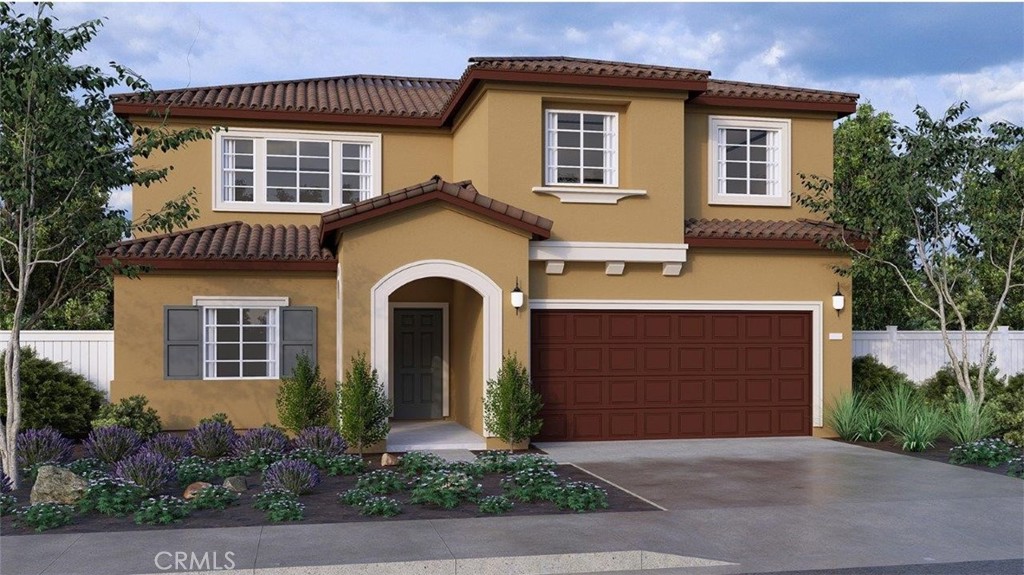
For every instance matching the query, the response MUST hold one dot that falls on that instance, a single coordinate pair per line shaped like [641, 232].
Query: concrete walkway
[733, 506]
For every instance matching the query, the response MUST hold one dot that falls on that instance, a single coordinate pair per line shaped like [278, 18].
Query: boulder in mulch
[194, 488]
[388, 460]
[57, 485]
[236, 483]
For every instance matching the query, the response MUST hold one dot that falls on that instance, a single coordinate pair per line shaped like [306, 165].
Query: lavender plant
[147, 469]
[296, 476]
[265, 437]
[173, 447]
[5, 483]
[37, 446]
[211, 439]
[112, 444]
[323, 439]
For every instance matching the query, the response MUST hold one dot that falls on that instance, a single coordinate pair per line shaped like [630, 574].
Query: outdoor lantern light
[517, 297]
[838, 300]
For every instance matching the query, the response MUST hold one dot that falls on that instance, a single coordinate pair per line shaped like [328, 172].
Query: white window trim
[784, 127]
[260, 173]
[581, 187]
[815, 307]
[574, 195]
[213, 302]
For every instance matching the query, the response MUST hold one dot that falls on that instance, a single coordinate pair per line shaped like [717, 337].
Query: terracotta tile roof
[357, 95]
[231, 245]
[765, 233]
[585, 67]
[461, 194]
[433, 101]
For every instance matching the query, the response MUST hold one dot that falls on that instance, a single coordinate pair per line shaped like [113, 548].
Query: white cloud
[773, 55]
[669, 44]
[121, 199]
[575, 35]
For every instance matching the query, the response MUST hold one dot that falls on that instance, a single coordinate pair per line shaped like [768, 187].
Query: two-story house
[630, 231]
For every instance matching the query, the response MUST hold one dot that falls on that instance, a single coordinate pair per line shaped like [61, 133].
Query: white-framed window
[581, 148]
[749, 161]
[241, 337]
[293, 171]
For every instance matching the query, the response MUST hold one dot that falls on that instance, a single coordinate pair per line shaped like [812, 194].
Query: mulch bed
[940, 453]
[322, 506]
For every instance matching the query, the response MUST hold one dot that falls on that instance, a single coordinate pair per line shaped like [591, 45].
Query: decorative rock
[388, 460]
[236, 483]
[57, 485]
[194, 488]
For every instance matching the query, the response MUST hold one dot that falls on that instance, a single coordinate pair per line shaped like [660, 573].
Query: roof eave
[130, 109]
[840, 109]
[211, 264]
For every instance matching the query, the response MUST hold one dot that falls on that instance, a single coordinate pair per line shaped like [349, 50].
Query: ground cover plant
[136, 484]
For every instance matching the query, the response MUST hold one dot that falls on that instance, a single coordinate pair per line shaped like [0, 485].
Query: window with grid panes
[581, 148]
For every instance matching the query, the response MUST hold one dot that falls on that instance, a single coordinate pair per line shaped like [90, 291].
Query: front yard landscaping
[262, 477]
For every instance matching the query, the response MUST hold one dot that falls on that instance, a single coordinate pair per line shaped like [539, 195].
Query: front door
[418, 363]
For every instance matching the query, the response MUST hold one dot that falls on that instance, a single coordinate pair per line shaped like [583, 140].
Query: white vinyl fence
[920, 354]
[90, 353]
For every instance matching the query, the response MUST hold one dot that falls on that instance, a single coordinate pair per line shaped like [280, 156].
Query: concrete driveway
[731, 506]
[788, 504]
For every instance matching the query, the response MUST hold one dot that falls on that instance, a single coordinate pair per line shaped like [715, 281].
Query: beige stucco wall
[138, 342]
[724, 275]
[408, 156]
[372, 251]
[811, 149]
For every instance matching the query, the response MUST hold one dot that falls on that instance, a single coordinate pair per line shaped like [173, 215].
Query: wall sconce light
[517, 297]
[838, 300]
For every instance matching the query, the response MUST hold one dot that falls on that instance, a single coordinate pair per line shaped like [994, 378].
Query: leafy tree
[511, 405]
[62, 154]
[303, 400]
[956, 192]
[363, 409]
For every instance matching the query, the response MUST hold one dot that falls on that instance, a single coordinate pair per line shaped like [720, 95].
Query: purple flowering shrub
[173, 447]
[212, 439]
[261, 438]
[5, 483]
[294, 475]
[147, 469]
[112, 444]
[37, 446]
[323, 439]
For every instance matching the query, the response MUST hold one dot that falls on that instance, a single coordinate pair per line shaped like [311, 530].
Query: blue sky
[895, 55]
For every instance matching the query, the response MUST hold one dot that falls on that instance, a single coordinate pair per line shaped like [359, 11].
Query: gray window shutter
[183, 342]
[298, 335]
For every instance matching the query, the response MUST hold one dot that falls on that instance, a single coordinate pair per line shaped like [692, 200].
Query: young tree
[363, 409]
[511, 406]
[62, 154]
[303, 399]
[956, 193]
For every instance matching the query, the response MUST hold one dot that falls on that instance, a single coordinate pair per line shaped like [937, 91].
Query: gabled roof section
[797, 234]
[227, 246]
[745, 94]
[460, 194]
[357, 99]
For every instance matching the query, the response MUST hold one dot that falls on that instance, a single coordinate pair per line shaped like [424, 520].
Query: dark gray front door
[418, 366]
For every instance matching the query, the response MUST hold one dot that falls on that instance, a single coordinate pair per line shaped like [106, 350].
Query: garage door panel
[628, 375]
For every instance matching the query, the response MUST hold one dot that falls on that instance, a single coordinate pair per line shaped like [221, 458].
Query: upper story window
[581, 148]
[310, 172]
[749, 161]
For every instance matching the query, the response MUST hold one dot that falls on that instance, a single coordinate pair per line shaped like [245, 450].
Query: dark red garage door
[658, 375]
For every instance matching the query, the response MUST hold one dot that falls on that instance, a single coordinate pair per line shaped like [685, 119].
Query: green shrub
[579, 496]
[899, 405]
[495, 504]
[45, 516]
[871, 377]
[445, 489]
[8, 503]
[418, 462]
[511, 405]
[942, 389]
[967, 423]
[872, 428]
[845, 416]
[380, 506]
[194, 468]
[990, 452]
[380, 482]
[923, 429]
[214, 497]
[112, 496]
[495, 461]
[1016, 467]
[530, 484]
[162, 510]
[264, 499]
[303, 399]
[355, 497]
[1008, 409]
[285, 510]
[131, 412]
[53, 396]
[362, 407]
[217, 418]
